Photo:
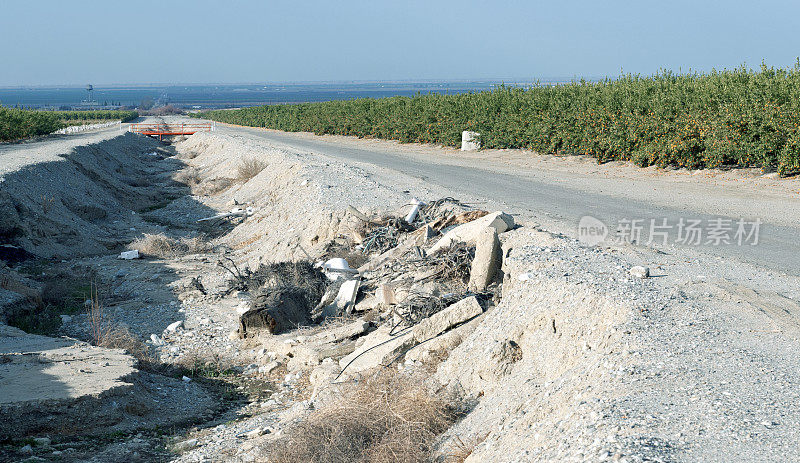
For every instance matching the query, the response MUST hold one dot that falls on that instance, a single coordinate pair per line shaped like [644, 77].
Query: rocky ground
[563, 355]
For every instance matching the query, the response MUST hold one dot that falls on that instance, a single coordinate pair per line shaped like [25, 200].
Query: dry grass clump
[162, 246]
[213, 186]
[104, 333]
[210, 186]
[205, 363]
[249, 168]
[390, 417]
[461, 450]
[121, 337]
[189, 176]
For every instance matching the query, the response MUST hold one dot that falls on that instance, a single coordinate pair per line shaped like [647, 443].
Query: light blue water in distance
[226, 96]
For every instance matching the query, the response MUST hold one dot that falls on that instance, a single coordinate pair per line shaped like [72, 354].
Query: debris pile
[283, 294]
[423, 275]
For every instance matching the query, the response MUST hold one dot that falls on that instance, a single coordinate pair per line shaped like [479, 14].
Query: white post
[412, 214]
[470, 141]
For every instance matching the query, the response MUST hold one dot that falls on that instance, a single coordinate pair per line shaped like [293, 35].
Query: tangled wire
[437, 210]
[450, 265]
[385, 237]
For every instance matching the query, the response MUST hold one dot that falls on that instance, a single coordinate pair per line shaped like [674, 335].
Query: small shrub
[61, 293]
[189, 176]
[97, 321]
[162, 246]
[249, 168]
[213, 186]
[121, 337]
[195, 245]
[205, 364]
[389, 417]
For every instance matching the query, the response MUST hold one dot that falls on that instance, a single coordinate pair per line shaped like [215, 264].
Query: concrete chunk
[487, 260]
[347, 294]
[469, 231]
[639, 272]
[386, 295]
[343, 332]
[129, 255]
[440, 322]
[379, 348]
[442, 343]
[174, 326]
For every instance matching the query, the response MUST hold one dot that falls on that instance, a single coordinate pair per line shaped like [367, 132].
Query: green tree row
[738, 117]
[16, 124]
[123, 116]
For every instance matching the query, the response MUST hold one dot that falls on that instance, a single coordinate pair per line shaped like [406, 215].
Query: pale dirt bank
[578, 361]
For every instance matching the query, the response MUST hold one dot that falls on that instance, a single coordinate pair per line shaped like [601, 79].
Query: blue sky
[174, 41]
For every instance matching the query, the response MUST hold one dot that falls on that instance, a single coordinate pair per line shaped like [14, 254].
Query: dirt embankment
[86, 200]
[559, 354]
[62, 201]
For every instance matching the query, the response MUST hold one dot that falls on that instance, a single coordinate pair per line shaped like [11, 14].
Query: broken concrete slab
[440, 322]
[322, 377]
[347, 295]
[38, 373]
[378, 348]
[324, 374]
[42, 368]
[367, 303]
[469, 231]
[386, 295]
[342, 332]
[337, 268]
[487, 260]
[310, 355]
[442, 343]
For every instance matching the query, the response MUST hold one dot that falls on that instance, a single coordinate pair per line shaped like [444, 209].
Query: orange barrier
[162, 129]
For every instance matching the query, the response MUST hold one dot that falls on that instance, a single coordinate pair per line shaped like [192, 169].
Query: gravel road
[557, 196]
[14, 156]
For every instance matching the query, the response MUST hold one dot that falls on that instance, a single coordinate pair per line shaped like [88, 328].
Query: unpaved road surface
[557, 192]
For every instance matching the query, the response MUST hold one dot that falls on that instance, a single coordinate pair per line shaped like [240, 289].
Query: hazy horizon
[52, 43]
[308, 82]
